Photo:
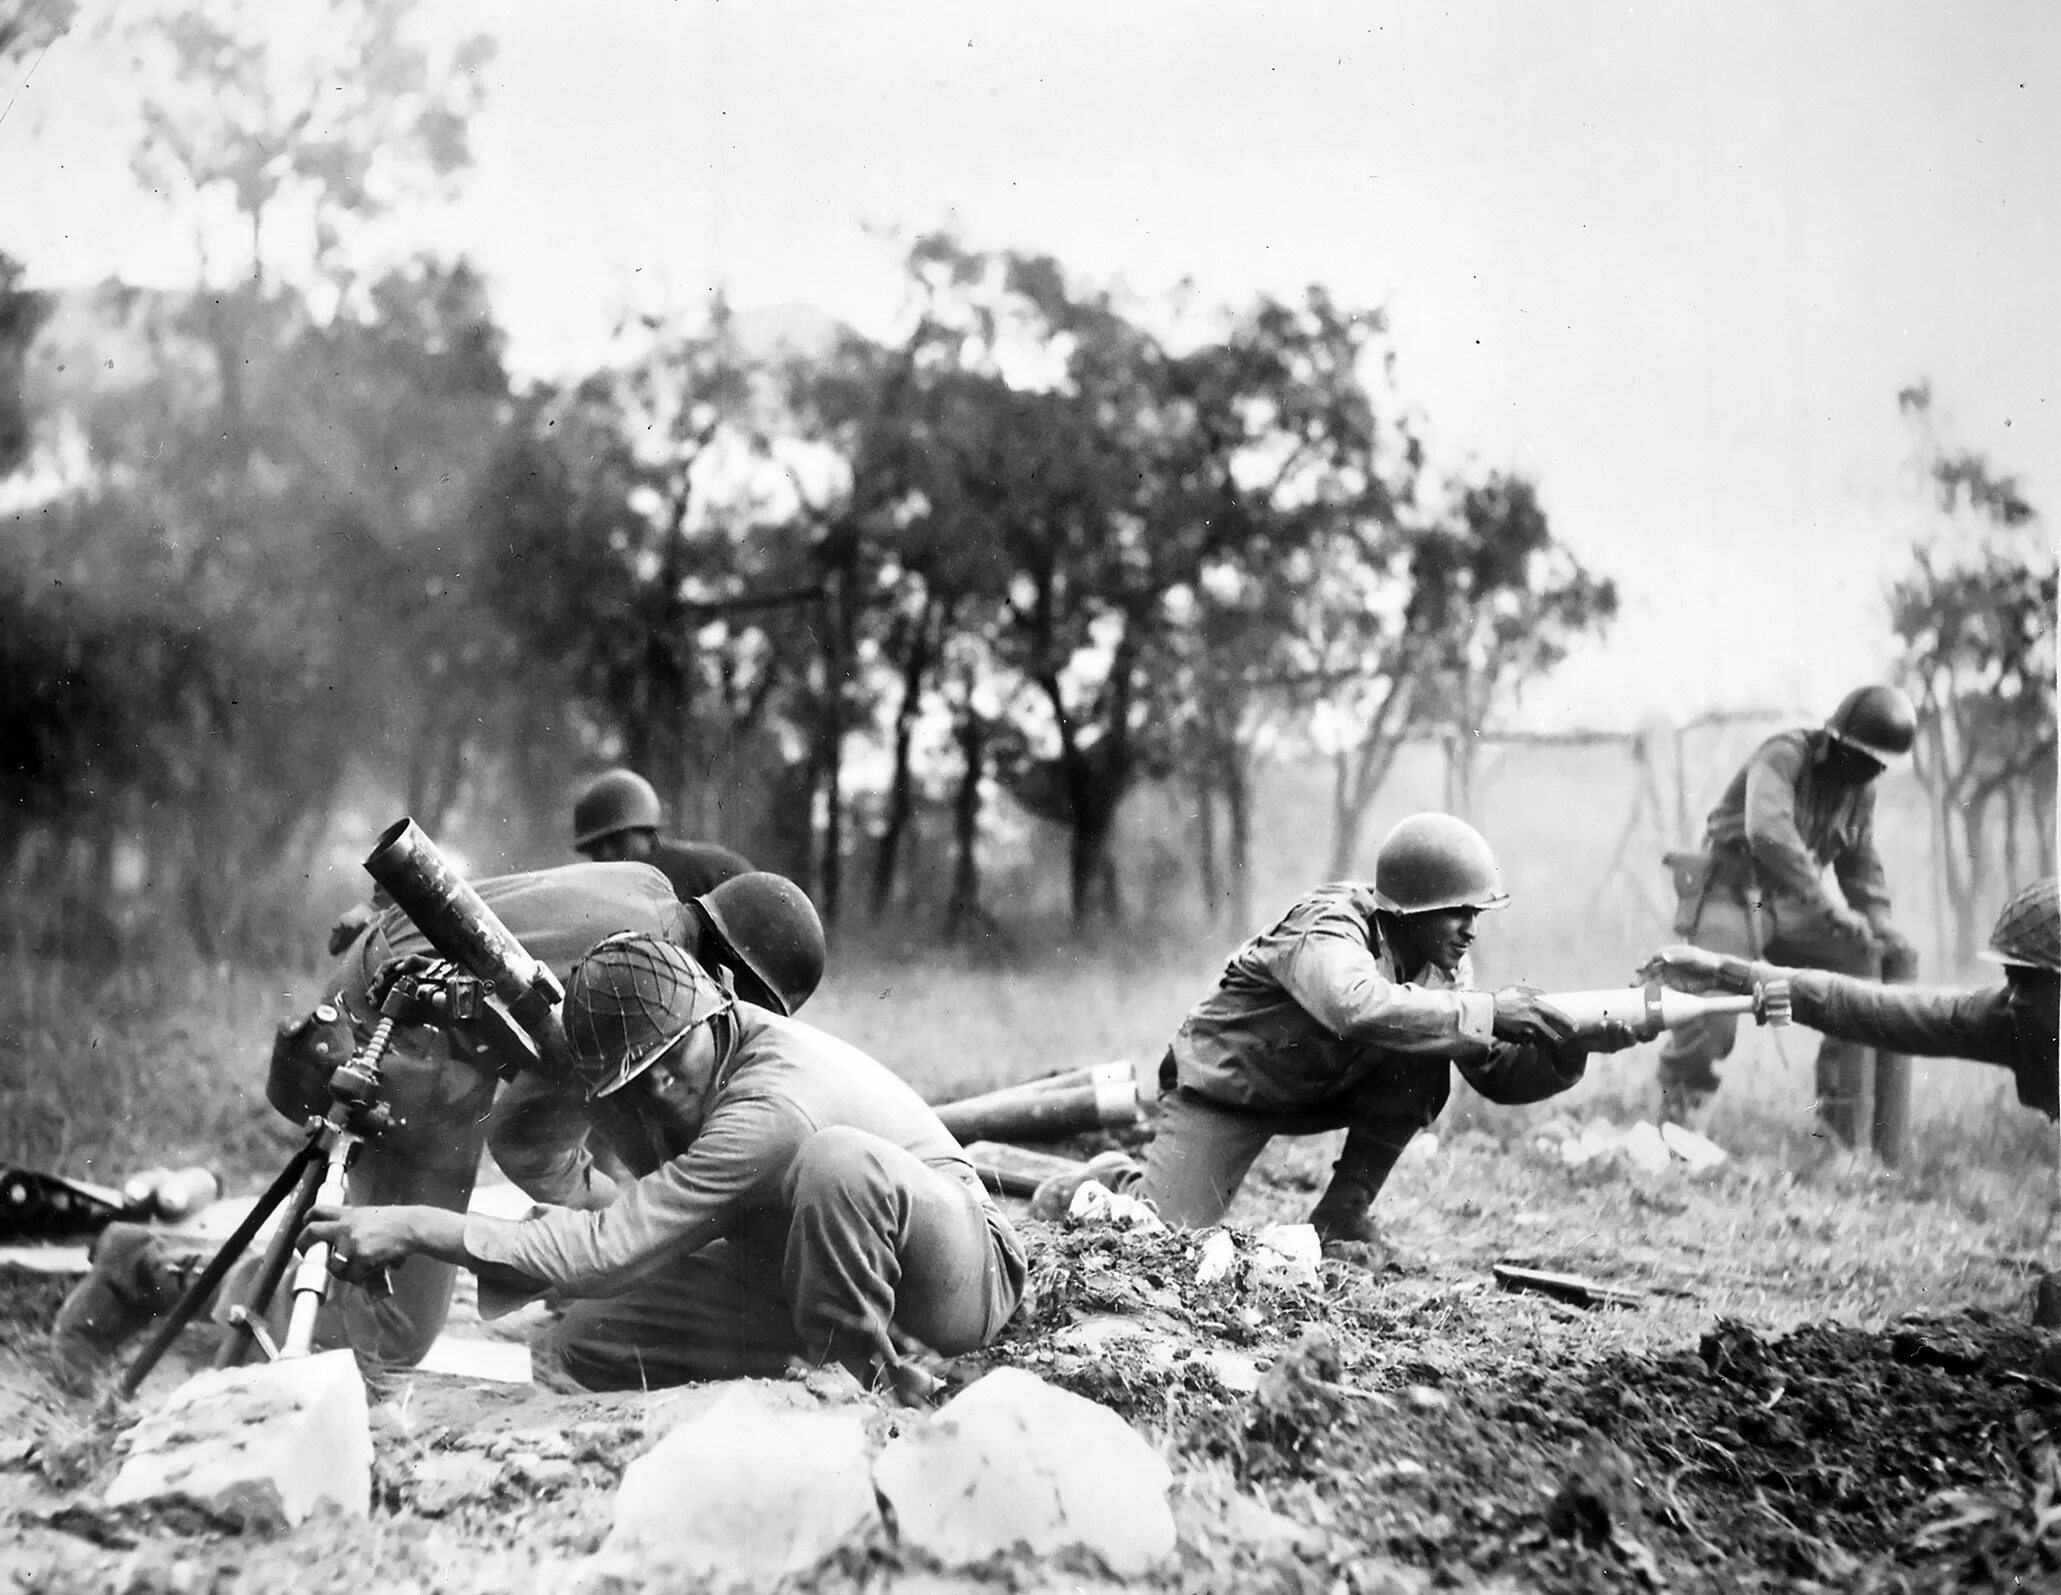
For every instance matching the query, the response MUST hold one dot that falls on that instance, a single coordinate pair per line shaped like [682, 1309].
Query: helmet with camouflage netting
[2028, 931]
[627, 1001]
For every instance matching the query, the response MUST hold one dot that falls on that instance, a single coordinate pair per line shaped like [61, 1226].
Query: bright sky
[1674, 261]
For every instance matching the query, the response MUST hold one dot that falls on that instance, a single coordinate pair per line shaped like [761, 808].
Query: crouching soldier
[810, 1205]
[757, 932]
[2014, 1024]
[1347, 1014]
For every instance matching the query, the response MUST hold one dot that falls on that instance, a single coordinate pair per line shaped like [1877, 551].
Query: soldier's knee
[839, 1163]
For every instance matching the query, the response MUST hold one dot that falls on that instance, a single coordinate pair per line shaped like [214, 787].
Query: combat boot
[1344, 1221]
[1115, 1171]
[137, 1276]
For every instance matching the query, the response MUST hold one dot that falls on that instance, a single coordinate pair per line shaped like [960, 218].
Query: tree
[1975, 613]
[29, 27]
[267, 516]
[21, 313]
[1295, 447]
[1506, 600]
[306, 132]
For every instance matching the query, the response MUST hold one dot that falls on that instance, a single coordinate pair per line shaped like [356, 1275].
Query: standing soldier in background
[616, 819]
[1805, 799]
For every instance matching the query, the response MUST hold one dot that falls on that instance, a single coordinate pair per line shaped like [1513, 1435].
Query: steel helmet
[772, 929]
[629, 999]
[620, 800]
[1878, 720]
[1436, 861]
[2028, 931]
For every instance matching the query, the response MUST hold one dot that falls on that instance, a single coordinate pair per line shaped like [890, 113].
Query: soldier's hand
[1684, 968]
[364, 1241]
[1526, 1018]
[1613, 1036]
[1899, 956]
[1851, 927]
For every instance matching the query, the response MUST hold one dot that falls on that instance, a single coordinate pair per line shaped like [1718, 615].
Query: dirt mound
[1396, 1414]
[1384, 1431]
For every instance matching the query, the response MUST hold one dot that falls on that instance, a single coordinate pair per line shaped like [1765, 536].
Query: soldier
[616, 817]
[1805, 799]
[2014, 1024]
[1346, 1015]
[757, 932]
[810, 1205]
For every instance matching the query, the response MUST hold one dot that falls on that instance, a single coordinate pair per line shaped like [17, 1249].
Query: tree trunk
[2043, 814]
[831, 756]
[1237, 782]
[1359, 771]
[1966, 881]
[1091, 873]
[901, 785]
[962, 906]
[1206, 847]
[2011, 811]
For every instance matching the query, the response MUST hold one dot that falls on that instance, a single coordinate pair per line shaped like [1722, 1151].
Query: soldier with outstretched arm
[1349, 1013]
[2013, 1024]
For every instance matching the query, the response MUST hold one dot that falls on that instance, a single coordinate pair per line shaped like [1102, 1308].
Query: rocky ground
[1825, 1379]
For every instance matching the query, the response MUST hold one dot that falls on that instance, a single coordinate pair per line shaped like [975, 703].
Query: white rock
[1014, 1461]
[1695, 1150]
[751, 1489]
[263, 1445]
[1420, 1148]
[1287, 1254]
[1219, 1256]
[1098, 1204]
[1644, 1146]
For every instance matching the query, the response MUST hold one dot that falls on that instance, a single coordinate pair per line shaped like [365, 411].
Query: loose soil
[1830, 1381]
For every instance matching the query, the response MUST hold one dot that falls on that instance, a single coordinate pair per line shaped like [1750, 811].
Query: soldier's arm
[1336, 979]
[1513, 1075]
[743, 1151]
[1784, 863]
[1925, 1023]
[1860, 873]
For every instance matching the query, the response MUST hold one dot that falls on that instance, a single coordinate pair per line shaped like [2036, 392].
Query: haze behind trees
[295, 548]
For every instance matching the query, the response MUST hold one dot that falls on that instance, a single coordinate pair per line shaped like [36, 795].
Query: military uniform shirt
[1781, 809]
[781, 1082]
[1315, 1006]
[1977, 1025]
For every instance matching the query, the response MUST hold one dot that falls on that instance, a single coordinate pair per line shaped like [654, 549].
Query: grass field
[1404, 1490]
[98, 1079]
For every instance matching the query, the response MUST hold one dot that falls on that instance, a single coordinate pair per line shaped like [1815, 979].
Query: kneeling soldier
[1346, 1015]
[810, 1205]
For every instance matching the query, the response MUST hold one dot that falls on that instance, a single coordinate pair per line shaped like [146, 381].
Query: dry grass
[102, 1075]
